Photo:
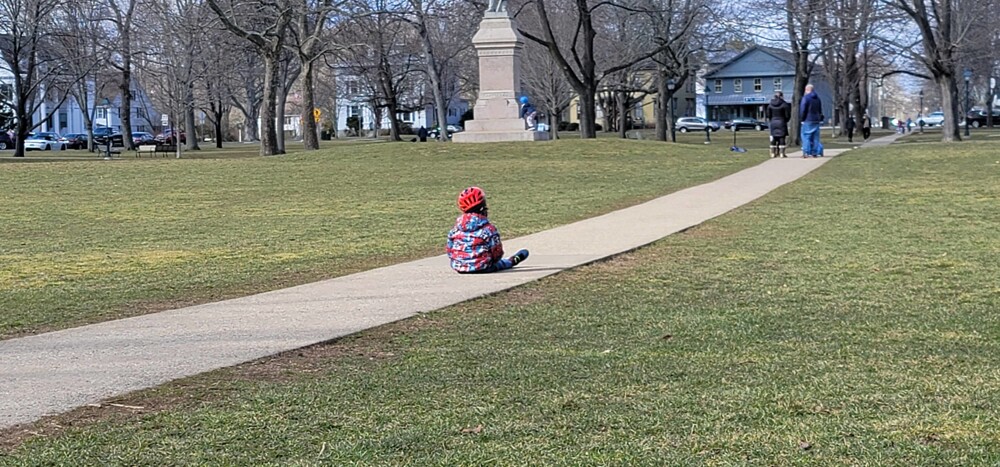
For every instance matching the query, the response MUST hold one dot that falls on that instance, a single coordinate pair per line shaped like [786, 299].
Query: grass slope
[849, 318]
[92, 241]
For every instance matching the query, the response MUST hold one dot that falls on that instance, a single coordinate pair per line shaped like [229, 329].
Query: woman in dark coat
[778, 114]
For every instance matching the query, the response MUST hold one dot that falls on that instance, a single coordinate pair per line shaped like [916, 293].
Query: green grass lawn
[847, 319]
[89, 241]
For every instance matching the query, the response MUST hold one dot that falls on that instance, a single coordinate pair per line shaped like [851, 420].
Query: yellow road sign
[317, 114]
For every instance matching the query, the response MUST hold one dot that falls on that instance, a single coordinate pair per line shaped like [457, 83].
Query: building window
[718, 86]
[353, 88]
[777, 84]
[354, 111]
[737, 85]
[101, 113]
[405, 116]
[63, 121]
[758, 85]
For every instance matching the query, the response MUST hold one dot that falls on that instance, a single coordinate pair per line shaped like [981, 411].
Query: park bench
[145, 149]
[166, 149]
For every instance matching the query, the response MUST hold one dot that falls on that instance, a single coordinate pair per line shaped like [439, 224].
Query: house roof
[781, 55]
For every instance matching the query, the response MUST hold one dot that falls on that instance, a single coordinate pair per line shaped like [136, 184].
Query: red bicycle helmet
[471, 197]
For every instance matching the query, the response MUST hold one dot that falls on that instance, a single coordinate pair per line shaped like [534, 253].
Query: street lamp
[920, 112]
[671, 85]
[968, 75]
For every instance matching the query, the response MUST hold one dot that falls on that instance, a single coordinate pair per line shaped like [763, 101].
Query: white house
[68, 116]
[352, 101]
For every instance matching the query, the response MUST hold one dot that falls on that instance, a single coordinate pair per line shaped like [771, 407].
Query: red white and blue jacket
[474, 243]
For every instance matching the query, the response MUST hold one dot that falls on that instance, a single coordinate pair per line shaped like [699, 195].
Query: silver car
[686, 124]
[933, 119]
[44, 142]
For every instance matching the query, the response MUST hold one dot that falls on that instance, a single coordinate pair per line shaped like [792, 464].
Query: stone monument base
[499, 136]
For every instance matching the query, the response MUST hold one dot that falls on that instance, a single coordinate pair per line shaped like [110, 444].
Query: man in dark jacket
[811, 115]
[778, 114]
[849, 126]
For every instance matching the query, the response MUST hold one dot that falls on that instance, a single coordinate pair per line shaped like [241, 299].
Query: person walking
[849, 126]
[866, 126]
[811, 115]
[778, 113]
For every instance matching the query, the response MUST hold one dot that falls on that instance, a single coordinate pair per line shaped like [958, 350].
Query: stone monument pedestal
[499, 47]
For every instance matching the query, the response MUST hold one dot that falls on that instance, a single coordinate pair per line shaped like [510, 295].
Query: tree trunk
[189, 122]
[621, 99]
[218, 130]
[125, 112]
[662, 103]
[588, 114]
[795, 124]
[269, 139]
[554, 124]
[310, 137]
[279, 115]
[949, 101]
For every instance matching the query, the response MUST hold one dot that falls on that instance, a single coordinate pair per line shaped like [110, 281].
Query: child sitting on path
[474, 244]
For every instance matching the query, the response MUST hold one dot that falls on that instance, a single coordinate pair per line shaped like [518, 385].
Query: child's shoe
[521, 255]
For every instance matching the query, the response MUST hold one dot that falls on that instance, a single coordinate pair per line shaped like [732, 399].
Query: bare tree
[122, 20]
[82, 36]
[941, 35]
[309, 28]
[265, 28]
[576, 54]
[248, 92]
[676, 26]
[33, 59]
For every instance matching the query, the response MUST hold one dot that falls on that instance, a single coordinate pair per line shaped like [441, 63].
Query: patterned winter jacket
[474, 243]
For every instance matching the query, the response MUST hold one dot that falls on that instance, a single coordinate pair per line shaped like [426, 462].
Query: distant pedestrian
[849, 126]
[909, 124]
[811, 115]
[422, 134]
[866, 126]
[900, 126]
[778, 113]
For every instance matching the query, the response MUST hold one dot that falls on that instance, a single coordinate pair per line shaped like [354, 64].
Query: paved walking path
[58, 371]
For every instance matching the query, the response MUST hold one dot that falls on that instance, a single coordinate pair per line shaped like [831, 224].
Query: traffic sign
[164, 120]
[317, 114]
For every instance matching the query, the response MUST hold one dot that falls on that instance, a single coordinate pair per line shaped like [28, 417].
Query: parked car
[141, 137]
[6, 142]
[74, 140]
[168, 137]
[932, 119]
[44, 142]
[745, 123]
[978, 118]
[686, 124]
[436, 131]
[102, 134]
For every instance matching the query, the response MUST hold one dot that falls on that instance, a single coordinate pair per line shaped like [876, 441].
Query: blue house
[743, 85]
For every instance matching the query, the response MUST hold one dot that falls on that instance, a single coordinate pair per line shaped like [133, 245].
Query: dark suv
[5, 141]
[102, 134]
[977, 118]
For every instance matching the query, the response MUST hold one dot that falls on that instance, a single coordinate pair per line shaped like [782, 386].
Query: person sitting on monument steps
[474, 244]
[528, 113]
